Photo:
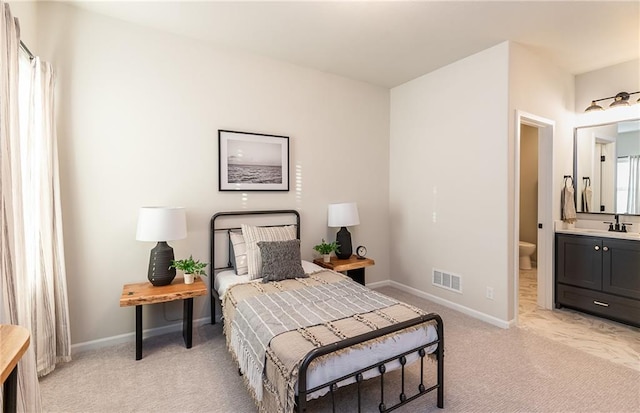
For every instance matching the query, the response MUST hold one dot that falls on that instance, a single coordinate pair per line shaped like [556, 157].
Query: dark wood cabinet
[579, 261]
[621, 268]
[599, 275]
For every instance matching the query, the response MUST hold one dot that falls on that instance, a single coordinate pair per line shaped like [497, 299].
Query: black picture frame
[252, 161]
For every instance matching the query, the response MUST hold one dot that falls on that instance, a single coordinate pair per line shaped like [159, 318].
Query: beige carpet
[487, 369]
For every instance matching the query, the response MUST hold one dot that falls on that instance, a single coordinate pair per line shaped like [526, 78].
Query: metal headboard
[216, 227]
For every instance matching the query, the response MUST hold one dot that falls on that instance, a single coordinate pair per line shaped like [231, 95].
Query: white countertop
[600, 233]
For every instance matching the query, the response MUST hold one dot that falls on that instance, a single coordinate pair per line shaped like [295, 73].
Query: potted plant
[326, 249]
[190, 267]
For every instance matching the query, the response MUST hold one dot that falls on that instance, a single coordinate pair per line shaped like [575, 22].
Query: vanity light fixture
[621, 99]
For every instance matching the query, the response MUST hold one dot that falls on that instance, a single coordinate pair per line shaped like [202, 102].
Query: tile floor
[616, 342]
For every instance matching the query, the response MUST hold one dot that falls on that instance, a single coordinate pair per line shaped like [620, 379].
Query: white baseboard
[449, 304]
[131, 337]
[379, 284]
[152, 332]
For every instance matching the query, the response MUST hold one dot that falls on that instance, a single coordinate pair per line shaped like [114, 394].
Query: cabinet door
[579, 261]
[621, 267]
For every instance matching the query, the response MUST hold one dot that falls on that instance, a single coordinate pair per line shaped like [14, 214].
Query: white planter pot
[326, 258]
[189, 278]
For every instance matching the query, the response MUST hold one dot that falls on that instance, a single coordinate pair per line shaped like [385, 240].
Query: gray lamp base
[159, 262]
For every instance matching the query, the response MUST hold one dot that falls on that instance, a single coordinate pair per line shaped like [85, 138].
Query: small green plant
[327, 248]
[189, 266]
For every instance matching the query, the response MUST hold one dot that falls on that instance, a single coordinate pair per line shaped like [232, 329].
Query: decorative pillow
[253, 235]
[280, 260]
[239, 253]
[310, 268]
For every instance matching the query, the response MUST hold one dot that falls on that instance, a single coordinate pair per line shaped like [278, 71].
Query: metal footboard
[358, 375]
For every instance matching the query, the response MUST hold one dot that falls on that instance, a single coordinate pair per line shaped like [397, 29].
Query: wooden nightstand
[14, 343]
[139, 294]
[353, 266]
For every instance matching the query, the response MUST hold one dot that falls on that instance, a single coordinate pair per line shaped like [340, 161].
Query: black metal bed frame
[213, 229]
[303, 391]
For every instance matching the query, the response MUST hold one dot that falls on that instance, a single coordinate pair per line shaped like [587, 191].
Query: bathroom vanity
[598, 272]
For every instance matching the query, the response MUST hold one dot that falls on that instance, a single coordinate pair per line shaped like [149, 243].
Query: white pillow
[253, 235]
[310, 267]
[239, 252]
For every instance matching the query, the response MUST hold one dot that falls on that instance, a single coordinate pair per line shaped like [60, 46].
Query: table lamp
[161, 224]
[343, 215]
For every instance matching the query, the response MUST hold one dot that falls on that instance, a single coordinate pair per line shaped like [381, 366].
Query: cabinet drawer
[617, 308]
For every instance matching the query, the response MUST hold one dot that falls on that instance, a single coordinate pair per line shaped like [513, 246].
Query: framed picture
[252, 161]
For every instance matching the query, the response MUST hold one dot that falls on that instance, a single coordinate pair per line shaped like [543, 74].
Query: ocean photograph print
[252, 161]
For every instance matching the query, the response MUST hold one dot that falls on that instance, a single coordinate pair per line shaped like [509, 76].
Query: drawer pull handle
[605, 248]
[600, 303]
[597, 248]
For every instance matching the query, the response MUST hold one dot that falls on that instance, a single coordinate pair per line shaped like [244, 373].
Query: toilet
[526, 249]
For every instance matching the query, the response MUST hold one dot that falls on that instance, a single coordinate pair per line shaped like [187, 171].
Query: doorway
[536, 212]
[528, 227]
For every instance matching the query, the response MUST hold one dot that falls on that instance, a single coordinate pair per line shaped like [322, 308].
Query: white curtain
[633, 199]
[12, 254]
[46, 275]
[33, 279]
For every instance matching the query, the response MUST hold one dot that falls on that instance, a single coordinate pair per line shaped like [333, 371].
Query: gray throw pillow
[281, 260]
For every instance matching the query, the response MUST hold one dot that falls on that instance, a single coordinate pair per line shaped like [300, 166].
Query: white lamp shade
[343, 215]
[161, 224]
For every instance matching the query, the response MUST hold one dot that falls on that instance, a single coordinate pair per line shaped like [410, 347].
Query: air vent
[447, 280]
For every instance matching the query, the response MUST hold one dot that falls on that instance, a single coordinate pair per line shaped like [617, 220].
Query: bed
[299, 332]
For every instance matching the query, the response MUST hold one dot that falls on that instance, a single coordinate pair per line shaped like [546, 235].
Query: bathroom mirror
[606, 168]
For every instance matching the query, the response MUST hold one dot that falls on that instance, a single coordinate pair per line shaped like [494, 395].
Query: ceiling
[388, 43]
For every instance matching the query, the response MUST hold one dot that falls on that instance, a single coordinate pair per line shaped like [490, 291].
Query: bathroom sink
[604, 233]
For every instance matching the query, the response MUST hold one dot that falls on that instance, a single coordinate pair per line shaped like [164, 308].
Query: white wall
[138, 113]
[538, 88]
[448, 180]
[453, 130]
